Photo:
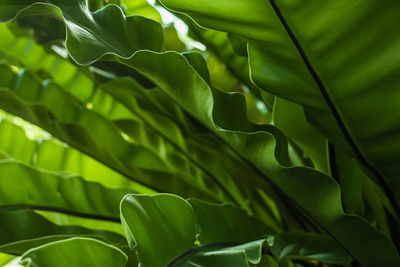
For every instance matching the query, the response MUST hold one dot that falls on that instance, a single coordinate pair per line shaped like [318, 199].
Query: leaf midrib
[190, 158]
[63, 211]
[346, 133]
[68, 17]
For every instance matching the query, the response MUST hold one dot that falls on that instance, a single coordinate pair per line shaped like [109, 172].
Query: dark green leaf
[228, 256]
[162, 225]
[83, 26]
[226, 223]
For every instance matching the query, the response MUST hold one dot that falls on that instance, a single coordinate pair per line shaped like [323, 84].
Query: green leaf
[218, 43]
[172, 40]
[83, 26]
[53, 155]
[268, 261]
[162, 225]
[225, 234]
[351, 178]
[153, 221]
[316, 194]
[24, 186]
[290, 118]
[22, 230]
[147, 126]
[80, 252]
[165, 136]
[226, 68]
[314, 55]
[72, 78]
[292, 245]
[150, 109]
[141, 7]
[71, 121]
[240, 255]
[234, 258]
[6, 258]
[360, 195]
[226, 223]
[129, 93]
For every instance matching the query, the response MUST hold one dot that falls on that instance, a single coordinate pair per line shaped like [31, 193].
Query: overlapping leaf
[83, 31]
[77, 251]
[226, 235]
[290, 118]
[29, 187]
[53, 155]
[70, 122]
[23, 229]
[316, 194]
[293, 56]
[148, 118]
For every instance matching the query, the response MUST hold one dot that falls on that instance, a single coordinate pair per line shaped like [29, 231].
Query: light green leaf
[290, 118]
[144, 121]
[24, 186]
[71, 77]
[142, 8]
[6, 259]
[22, 230]
[53, 155]
[79, 252]
[172, 40]
[71, 121]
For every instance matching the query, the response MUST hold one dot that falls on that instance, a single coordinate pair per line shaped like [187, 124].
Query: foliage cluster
[122, 144]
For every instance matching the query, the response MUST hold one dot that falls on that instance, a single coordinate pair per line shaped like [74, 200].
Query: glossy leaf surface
[92, 253]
